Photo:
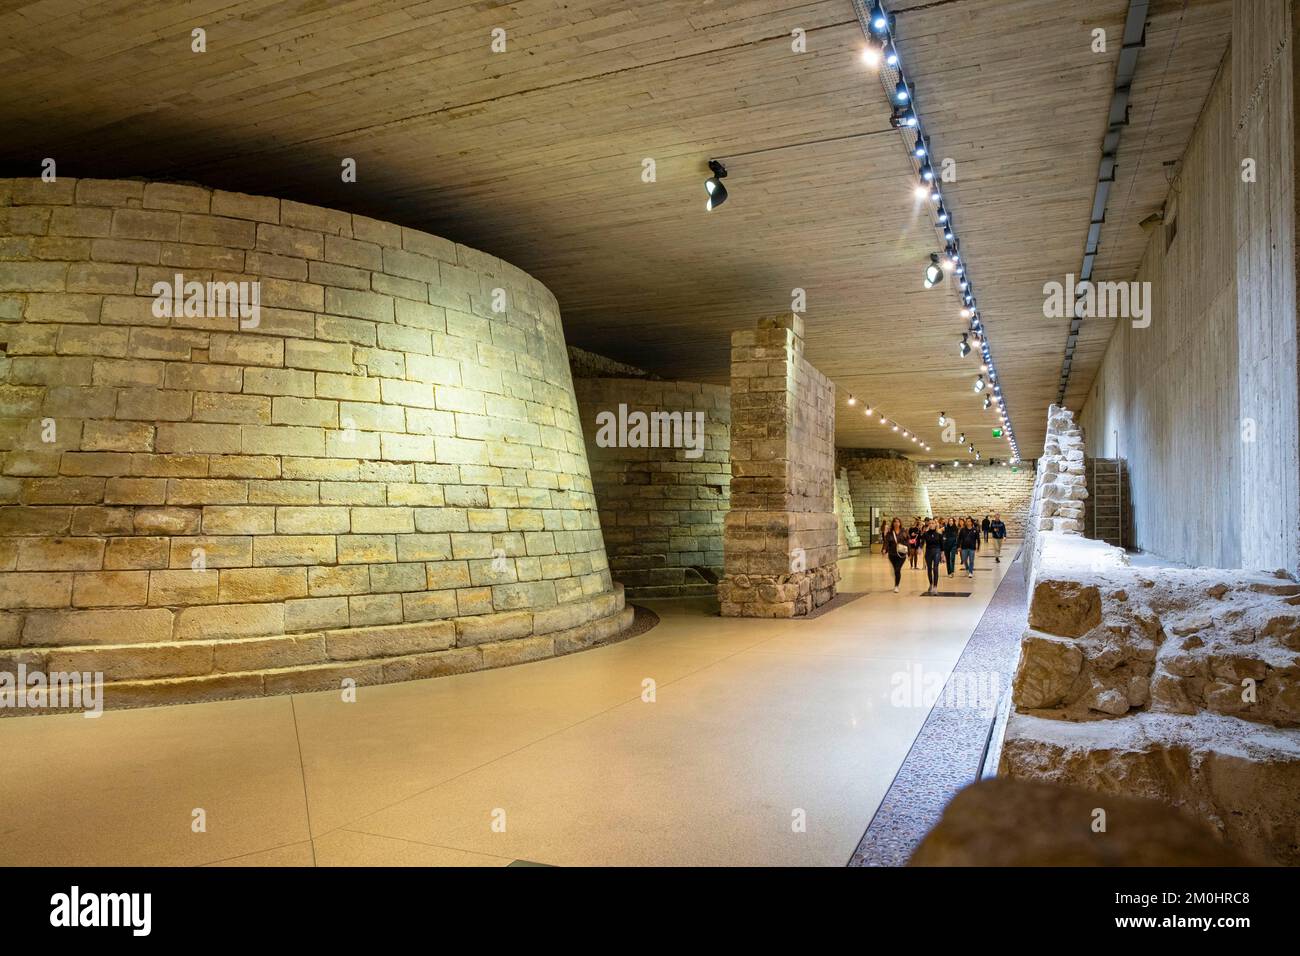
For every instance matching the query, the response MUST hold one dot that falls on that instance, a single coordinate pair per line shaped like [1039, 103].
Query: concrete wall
[383, 447]
[1165, 397]
[661, 510]
[1202, 405]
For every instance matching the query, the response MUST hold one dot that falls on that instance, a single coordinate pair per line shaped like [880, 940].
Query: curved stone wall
[374, 470]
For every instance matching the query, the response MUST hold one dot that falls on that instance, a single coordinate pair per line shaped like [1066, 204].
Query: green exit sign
[997, 433]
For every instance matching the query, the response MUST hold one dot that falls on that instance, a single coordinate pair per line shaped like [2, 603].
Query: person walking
[986, 523]
[913, 542]
[968, 540]
[950, 545]
[932, 542]
[999, 531]
[896, 540]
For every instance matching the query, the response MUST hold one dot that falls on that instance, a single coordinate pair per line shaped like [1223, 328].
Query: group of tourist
[940, 541]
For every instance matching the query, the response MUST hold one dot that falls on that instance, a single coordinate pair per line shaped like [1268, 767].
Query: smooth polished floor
[763, 743]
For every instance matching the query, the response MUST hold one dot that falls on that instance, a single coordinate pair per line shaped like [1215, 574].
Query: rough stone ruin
[1177, 684]
[849, 538]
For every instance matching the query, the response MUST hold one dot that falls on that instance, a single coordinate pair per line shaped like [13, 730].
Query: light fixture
[880, 21]
[943, 419]
[979, 384]
[919, 150]
[964, 347]
[961, 439]
[987, 402]
[902, 117]
[891, 56]
[713, 185]
[900, 92]
[941, 212]
[933, 271]
[871, 56]
[852, 401]
[883, 420]
[936, 196]
[895, 428]
[867, 411]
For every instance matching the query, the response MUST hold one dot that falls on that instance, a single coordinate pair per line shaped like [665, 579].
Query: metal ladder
[1105, 504]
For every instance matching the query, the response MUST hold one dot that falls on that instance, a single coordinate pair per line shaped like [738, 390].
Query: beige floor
[753, 724]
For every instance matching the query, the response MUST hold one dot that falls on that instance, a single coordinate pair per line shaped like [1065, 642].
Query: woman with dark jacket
[932, 542]
[950, 545]
[913, 542]
[968, 540]
[896, 545]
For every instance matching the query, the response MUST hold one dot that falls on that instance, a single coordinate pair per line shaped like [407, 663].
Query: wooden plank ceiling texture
[536, 154]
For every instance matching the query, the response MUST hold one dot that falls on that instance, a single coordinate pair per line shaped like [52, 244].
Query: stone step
[324, 674]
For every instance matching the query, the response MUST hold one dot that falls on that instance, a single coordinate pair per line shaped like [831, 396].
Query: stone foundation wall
[1178, 684]
[779, 538]
[979, 491]
[848, 538]
[661, 509]
[393, 441]
[891, 484]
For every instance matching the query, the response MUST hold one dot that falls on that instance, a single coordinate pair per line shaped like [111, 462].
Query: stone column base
[777, 595]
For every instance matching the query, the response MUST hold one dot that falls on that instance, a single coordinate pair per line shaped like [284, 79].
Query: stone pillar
[779, 538]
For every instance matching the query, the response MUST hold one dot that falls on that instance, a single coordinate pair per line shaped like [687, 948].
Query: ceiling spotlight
[979, 384]
[891, 56]
[921, 192]
[904, 432]
[713, 185]
[963, 348]
[933, 271]
[919, 151]
[883, 419]
[941, 212]
[900, 92]
[943, 419]
[880, 21]
[984, 367]
[927, 173]
[852, 401]
[949, 234]
[987, 402]
[867, 410]
[956, 464]
[936, 196]
[966, 313]
[961, 439]
[902, 117]
[871, 56]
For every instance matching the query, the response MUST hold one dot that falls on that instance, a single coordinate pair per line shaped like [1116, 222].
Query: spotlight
[936, 196]
[713, 185]
[966, 313]
[904, 432]
[933, 271]
[984, 367]
[987, 402]
[943, 419]
[902, 117]
[883, 420]
[891, 56]
[919, 151]
[895, 428]
[927, 173]
[921, 192]
[949, 234]
[963, 348]
[880, 21]
[979, 384]
[961, 439]
[867, 411]
[900, 92]
[871, 56]
[941, 212]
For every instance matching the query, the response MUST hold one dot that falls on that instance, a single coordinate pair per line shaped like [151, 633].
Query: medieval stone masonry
[381, 475]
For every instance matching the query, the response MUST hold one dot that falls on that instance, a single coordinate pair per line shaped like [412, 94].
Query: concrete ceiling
[536, 155]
